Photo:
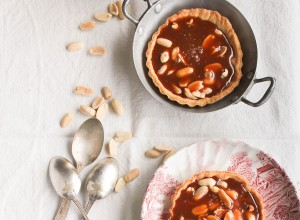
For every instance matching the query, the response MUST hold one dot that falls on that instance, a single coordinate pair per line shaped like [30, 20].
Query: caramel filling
[212, 198]
[192, 58]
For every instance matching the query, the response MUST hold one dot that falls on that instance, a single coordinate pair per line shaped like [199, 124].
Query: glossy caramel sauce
[189, 38]
[185, 203]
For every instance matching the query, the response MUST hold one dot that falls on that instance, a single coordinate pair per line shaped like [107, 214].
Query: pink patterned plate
[263, 172]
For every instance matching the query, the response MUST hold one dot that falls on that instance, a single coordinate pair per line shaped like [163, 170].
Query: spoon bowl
[87, 143]
[66, 180]
[103, 177]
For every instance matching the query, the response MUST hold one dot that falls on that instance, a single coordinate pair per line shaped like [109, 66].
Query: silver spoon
[86, 147]
[101, 180]
[66, 181]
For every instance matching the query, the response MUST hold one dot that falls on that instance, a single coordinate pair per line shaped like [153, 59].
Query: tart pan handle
[267, 94]
[128, 16]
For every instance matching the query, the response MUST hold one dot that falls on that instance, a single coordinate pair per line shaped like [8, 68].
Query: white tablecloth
[37, 76]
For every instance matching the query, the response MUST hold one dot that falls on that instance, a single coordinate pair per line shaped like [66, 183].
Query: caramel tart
[216, 195]
[195, 57]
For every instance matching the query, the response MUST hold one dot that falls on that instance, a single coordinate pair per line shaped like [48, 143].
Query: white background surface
[37, 76]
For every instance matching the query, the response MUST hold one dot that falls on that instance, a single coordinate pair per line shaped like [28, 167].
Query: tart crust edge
[223, 175]
[225, 26]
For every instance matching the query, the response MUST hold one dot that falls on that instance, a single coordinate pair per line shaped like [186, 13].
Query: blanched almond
[119, 4]
[250, 216]
[164, 57]
[97, 51]
[169, 154]
[219, 212]
[190, 189]
[197, 85]
[118, 107]
[82, 90]
[131, 175]
[120, 185]
[251, 208]
[103, 16]
[65, 121]
[215, 67]
[175, 25]
[188, 94]
[176, 89]
[209, 74]
[164, 42]
[237, 215]
[224, 74]
[162, 148]
[106, 92]
[213, 206]
[112, 147]
[175, 53]
[152, 153]
[87, 110]
[183, 83]
[75, 46]
[162, 69]
[232, 194]
[222, 184]
[97, 102]
[229, 216]
[207, 182]
[222, 51]
[102, 111]
[225, 198]
[181, 59]
[184, 72]
[200, 192]
[198, 94]
[113, 9]
[218, 32]
[208, 41]
[214, 189]
[123, 136]
[201, 209]
[207, 90]
[88, 25]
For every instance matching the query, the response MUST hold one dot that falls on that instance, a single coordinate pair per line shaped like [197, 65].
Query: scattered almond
[169, 154]
[97, 51]
[88, 25]
[102, 111]
[103, 16]
[97, 102]
[197, 85]
[232, 194]
[211, 217]
[198, 94]
[131, 175]
[250, 216]
[122, 136]
[237, 215]
[152, 153]
[224, 74]
[119, 4]
[112, 147]
[106, 92]
[225, 198]
[218, 32]
[75, 46]
[222, 184]
[175, 25]
[82, 90]
[214, 189]
[251, 208]
[113, 9]
[162, 148]
[222, 51]
[176, 89]
[207, 90]
[184, 83]
[208, 41]
[175, 53]
[118, 107]
[87, 110]
[120, 185]
[65, 121]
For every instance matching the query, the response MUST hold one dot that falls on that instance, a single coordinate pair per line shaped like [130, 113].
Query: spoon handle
[90, 202]
[63, 210]
[80, 207]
